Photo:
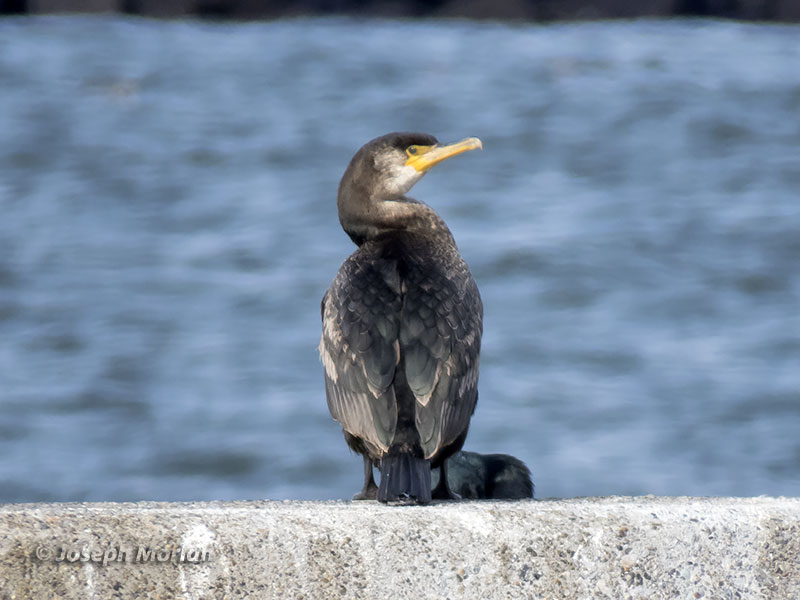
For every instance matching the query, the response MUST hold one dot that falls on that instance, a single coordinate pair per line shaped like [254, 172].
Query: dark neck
[364, 218]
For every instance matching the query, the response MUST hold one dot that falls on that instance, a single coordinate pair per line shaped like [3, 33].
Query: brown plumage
[402, 323]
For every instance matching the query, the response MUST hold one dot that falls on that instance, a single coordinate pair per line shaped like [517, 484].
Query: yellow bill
[423, 158]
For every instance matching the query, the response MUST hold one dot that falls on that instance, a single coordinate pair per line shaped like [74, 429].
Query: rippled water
[168, 226]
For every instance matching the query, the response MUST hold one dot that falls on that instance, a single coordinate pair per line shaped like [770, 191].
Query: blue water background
[168, 226]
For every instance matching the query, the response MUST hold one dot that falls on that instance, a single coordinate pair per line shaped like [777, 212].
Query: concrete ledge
[616, 548]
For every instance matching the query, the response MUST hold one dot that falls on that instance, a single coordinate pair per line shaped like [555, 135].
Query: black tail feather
[405, 476]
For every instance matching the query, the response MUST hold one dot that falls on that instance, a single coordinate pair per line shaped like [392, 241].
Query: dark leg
[370, 490]
[442, 490]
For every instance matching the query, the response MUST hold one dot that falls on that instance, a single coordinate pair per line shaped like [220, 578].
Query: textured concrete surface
[725, 548]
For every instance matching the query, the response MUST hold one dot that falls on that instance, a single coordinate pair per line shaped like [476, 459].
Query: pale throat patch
[400, 178]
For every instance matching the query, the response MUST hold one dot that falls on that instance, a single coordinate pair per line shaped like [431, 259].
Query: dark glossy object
[476, 476]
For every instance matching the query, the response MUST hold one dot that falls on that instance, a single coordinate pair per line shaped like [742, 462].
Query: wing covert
[440, 336]
[359, 348]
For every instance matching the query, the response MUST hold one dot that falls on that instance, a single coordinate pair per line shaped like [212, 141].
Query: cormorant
[401, 323]
[488, 476]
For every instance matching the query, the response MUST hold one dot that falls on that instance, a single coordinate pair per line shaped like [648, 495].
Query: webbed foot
[370, 489]
[370, 492]
[442, 491]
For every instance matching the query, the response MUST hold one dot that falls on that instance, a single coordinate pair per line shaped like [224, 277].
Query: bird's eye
[412, 150]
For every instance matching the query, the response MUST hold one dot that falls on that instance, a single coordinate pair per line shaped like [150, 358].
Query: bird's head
[391, 164]
[383, 171]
